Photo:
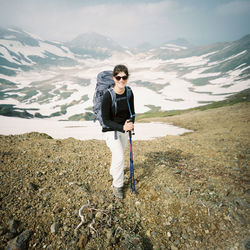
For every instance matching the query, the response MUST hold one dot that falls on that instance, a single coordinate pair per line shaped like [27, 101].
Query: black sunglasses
[118, 78]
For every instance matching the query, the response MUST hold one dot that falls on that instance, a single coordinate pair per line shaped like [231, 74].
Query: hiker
[118, 125]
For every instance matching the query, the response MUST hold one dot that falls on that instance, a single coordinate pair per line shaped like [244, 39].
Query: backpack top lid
[105, 79]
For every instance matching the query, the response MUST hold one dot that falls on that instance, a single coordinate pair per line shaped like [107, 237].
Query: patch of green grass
[175, 100]
[11, 110]
[6, 84]
[204, 102]
[66, 95]
[66, 106]
[76, 117]
[88, 116]
[8, 72]
[29, 92]
[64, 109]
[89, 108]
[85, 98]
[243, 96]
[153, 86]
[202, 81]
[153, 108]
[150, 114]
[58, 113]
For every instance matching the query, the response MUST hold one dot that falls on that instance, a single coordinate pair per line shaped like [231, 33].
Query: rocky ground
[192, 190]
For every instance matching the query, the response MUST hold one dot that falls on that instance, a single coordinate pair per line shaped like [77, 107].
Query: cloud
[234, 8]
[129, 22]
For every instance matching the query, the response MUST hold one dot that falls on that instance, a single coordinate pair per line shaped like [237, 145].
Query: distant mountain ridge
[22, 51]
[54, 79]
[93, 45]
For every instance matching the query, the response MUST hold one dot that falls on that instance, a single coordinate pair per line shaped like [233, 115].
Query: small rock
[110, 207]
[64, 233]
[8, 235]
[137, 203]
[178, 171]
[54, 228]
[83, 241]
[176, 242]
[109, 234]
[33, 186]
[90, 216]
[148, 233]
[247, 245]
[168, 190]
[173, 247]
[21, 241]
[39, 174]
[119, 204]
[3, 230]
[241, 202]
[99, 215]
[13, 225]
[184, 236]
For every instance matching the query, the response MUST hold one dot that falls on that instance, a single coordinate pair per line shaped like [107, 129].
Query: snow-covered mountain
[94, 45]
[21, 51]
[41, 78]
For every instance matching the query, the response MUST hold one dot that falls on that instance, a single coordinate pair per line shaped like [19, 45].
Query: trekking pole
[132, 177]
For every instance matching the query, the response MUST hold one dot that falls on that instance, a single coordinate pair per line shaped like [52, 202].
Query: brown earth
[192, 190]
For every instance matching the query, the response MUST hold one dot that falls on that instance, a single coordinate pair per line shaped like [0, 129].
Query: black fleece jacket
[123, 114]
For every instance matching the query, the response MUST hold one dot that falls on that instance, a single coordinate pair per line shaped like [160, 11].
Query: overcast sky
[131, 22]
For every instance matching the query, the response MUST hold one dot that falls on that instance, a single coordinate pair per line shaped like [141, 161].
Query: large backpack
[105, 83]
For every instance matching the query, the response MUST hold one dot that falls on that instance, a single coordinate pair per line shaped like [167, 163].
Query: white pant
[117, 148]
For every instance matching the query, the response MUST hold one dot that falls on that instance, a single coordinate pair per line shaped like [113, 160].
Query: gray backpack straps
[114, 102]
[114, 99]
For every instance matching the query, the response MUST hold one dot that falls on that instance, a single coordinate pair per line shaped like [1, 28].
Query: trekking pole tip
[133, 191]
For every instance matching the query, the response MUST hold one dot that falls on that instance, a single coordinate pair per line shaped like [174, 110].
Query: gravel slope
[193, 190]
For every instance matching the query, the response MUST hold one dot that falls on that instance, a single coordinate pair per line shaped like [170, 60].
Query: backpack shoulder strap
[128, 94]
[114, 106]
[129, 91]
[113, 98]
[114, 102]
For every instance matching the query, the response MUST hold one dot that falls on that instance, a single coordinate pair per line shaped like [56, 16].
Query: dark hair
[120, 68]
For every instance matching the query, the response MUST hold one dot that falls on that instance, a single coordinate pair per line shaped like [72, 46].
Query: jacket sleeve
[107, 113]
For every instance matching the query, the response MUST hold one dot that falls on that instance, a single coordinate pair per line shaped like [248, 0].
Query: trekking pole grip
[131, 132]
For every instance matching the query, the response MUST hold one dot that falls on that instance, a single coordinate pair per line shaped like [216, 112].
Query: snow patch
[86, 130]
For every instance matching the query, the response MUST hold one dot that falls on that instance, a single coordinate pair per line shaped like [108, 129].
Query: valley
[50, 79]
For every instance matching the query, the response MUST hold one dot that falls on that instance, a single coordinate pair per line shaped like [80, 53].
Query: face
[120, 82]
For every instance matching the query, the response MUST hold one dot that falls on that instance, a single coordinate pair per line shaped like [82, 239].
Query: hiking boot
[118, 192]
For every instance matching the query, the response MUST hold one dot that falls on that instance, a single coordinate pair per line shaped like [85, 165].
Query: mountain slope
[49, 79]
[22, 51]
[234, 56]
[192, 190]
